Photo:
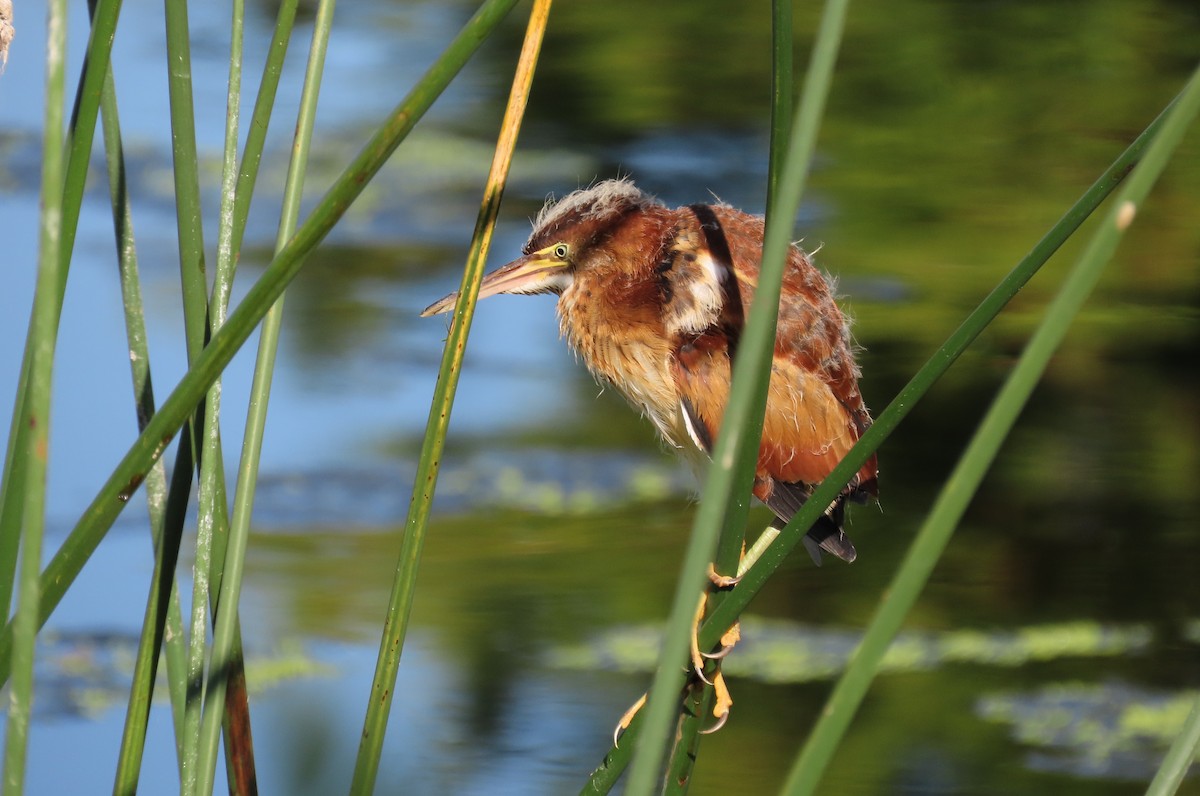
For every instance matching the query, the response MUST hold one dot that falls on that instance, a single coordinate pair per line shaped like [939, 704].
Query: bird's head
[568, 235]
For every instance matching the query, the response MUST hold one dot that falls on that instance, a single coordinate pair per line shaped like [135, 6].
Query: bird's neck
[612, 316]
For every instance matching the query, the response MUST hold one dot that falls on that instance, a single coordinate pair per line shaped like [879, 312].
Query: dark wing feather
[825, 534]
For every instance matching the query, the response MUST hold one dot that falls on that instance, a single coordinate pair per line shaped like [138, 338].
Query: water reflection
[956, 135]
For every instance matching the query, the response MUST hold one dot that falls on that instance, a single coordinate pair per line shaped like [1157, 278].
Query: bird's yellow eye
[561, 250]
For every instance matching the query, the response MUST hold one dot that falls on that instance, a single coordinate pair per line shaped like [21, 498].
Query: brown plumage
[654, 299]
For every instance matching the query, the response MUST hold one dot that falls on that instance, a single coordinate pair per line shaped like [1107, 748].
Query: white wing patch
[689, 423]
[696, 292]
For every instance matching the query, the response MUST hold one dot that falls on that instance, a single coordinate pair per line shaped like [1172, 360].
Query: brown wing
[802, 438]
[813, 345]
[814, 411]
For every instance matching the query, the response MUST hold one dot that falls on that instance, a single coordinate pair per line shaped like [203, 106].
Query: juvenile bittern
[654, 300]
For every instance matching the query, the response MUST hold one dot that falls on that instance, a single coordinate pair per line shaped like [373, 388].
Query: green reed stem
[260, 119]
[160, 602]
[1179, 757]
[960, 488]
[696, 705]
[80, 134]
[225, 633]
[782, 89]
[162, 618]
[226, 224]
[727, 486]
[12, 482]
[195, 311]
[239, 753]
[129, 473]
[222, 283]
[197, 633]
[212, 535]
[733, 536]
[606, 774]
[186, 176]
[790, 160]
[44, 328]
[383, 686]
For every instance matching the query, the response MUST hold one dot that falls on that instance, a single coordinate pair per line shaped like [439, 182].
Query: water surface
[955, 137]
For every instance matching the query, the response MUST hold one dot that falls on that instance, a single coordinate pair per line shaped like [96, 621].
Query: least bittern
[654, 300]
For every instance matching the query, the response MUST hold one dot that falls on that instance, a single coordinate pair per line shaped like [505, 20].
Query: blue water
[942, 161]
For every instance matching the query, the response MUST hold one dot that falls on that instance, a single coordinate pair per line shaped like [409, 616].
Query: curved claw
[623, 722]
[719, 654]
[728, 641]
[722, 704]
[720, 723]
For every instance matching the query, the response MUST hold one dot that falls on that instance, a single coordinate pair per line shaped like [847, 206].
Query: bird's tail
[825, 534]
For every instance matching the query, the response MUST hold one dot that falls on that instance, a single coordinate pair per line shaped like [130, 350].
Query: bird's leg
[734, 633]
[723, 701]
[627, 717]
[721, 704]
[729, 638]
[749, 557]
[724, 581]
[697, 655]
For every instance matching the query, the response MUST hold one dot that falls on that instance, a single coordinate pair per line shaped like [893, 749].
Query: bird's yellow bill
[539, 272]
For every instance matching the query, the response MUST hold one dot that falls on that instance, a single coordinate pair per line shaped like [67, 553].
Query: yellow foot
[722, 581]
[627, 717]
[723, 701]
[697, 656]
[721, 704]
[732, 636]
